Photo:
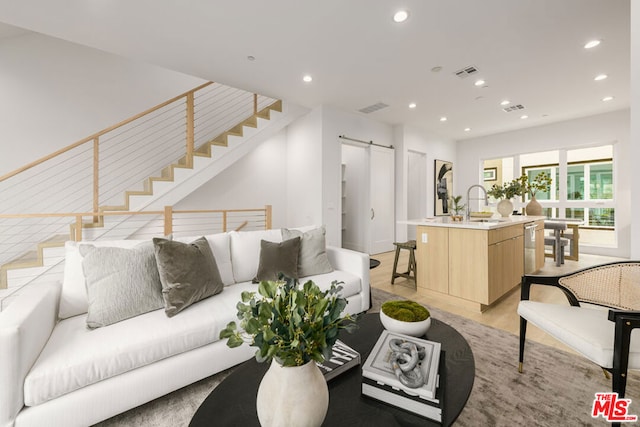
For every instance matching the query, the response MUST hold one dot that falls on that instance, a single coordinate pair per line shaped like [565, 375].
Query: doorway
[367, 203]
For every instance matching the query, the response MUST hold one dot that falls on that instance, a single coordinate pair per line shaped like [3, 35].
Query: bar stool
[411, 247]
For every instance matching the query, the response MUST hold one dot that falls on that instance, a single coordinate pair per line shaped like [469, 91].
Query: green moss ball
[405, 311]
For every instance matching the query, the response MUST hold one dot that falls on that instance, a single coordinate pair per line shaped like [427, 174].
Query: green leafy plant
[455, 205]
[291, 323]
[542, 182]
[507, 191]
[405, 311]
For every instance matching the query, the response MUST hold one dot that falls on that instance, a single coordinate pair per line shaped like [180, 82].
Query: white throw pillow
[245, 251]
[73, 300]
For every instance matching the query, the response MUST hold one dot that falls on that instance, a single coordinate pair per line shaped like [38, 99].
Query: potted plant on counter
[295, 327]
[504, 193]
[457, 208]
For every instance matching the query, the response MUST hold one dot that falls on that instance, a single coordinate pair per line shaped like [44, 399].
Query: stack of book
[342, 359]
[379, 381]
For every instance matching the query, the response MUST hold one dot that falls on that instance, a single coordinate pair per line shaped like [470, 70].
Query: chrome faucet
[486, 198]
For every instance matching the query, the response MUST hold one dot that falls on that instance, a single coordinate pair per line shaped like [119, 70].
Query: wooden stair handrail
[98, 134]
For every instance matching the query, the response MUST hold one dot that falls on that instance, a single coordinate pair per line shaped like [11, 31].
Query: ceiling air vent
[374, 107]
[466, 72]
[517, 107]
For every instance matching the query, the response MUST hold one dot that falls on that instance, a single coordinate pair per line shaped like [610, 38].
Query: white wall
[634, 151]
[54, 93]
[304, 167]
[408, 138]
[589, 131]
[257, 179]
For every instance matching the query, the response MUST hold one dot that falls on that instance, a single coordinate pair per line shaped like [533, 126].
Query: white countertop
[475, 223]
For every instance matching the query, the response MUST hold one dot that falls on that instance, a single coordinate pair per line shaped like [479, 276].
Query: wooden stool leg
[395, 265]
[412, 265]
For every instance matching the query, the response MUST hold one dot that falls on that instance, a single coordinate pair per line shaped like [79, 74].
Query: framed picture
[490, 174]
[443, 186]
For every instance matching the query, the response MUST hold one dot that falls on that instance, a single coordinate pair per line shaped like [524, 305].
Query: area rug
[556, 388]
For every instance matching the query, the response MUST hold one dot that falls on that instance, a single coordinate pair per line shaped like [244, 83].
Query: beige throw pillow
[313, 257]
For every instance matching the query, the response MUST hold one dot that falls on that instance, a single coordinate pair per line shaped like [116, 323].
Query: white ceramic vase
[292, 396]
[505, 207]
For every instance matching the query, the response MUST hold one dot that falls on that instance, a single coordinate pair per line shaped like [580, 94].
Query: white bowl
[414, 329]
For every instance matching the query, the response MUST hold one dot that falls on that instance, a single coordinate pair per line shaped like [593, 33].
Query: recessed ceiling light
[505, 102]
[307, 79]
[607, 98]
[591, 43]
[467, 129]
[412, 105]
[443, 119]
[479, 82]
[400, 16]
[600, 77]
[436, 69]
[251, 58]
[524, 117]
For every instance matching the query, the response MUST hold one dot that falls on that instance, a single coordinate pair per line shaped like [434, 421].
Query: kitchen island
[475, 262]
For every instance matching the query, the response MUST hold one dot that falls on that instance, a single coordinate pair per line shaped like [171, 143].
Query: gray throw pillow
[278, 258]
[188, 273]
[121, 283]
[313, 257]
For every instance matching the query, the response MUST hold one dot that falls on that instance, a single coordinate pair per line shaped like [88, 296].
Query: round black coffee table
[233, 401]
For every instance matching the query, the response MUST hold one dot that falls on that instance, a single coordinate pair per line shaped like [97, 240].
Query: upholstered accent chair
[599, 321]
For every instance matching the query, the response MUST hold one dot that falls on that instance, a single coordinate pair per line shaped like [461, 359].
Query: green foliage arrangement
[455, 205]
[290, 323]
[405, 311]
[541, 182]
[507, 191]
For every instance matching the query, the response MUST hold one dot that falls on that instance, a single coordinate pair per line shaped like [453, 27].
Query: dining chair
[602, 311]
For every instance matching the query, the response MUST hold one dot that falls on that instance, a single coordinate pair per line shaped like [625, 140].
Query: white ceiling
[527, 51]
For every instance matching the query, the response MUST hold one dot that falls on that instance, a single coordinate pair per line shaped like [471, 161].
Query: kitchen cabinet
[478, 265]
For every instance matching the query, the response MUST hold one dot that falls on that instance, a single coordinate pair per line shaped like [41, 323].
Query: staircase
[199, 163]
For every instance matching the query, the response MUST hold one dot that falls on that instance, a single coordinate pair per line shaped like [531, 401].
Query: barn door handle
[373, 213]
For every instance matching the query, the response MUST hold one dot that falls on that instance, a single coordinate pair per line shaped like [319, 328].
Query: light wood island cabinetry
[476, 264]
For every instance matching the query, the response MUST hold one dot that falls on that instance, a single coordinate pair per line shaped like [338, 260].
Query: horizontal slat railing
[97, 173]
[133, 225]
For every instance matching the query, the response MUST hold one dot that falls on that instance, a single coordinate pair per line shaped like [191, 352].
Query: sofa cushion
[75, 357]
[73, 300]
[313, 258]
[278, 258]
[586, 330]
[220, 246]
[352, 285]
[188, 273]
[245, 251]
[121, 283]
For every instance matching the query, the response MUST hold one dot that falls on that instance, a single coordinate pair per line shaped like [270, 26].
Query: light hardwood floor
[503, 314]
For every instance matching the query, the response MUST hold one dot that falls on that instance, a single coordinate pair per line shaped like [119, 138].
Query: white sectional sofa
[55, 371]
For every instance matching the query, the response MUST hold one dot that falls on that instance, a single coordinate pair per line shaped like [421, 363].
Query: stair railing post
[78, 231]
[168, 220]
[190, 128]
[96, 177]
[267, 217]
[224, 221]
[255, 103]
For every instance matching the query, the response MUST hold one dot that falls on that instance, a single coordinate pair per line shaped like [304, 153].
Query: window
[582, 188]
